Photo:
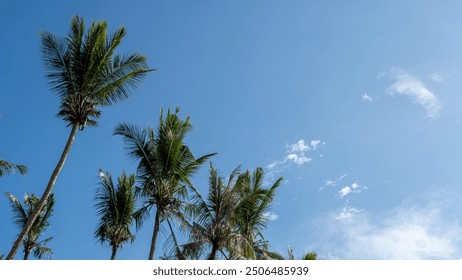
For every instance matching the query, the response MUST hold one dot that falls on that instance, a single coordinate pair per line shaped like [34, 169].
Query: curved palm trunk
[154, 235]
[114, 252]
[45, 194]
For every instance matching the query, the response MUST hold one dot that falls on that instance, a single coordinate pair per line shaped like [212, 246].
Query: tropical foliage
[7, 168]
[231, 219]
[228, 222]
[21, 214]
[115, 207]
[165, 167]
[86, 74]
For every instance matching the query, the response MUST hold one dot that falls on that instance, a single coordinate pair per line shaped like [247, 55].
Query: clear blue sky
[357, 104]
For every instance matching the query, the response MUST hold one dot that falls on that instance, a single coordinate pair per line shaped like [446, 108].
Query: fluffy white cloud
[345, 191]
[298, 158]
[300, 146]
[407, 85]
[354, 188]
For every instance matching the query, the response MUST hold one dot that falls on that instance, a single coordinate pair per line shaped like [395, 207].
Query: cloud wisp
[296, 154]
[365, 97]
[411, 231]
[353, 188]
[407, 85]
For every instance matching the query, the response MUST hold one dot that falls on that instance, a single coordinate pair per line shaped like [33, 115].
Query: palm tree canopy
[21, 214]
[115, 206]
[7, 168]
[85, 73]
[213, 228]
[165, 162]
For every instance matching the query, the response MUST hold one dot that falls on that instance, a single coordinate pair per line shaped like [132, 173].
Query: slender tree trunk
[26, 254]
[114, 252]
[213, 254]
[154, 235]
[45, 194]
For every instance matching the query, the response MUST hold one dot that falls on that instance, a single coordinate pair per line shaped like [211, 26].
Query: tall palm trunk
[45, 195]
[114, 252]
[154, 235]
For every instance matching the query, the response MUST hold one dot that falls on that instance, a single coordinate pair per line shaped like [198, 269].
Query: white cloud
[348, 212]
[333, 183]
[296, 153]
[300, 146]
[354, 188]
[315, 143]
[345, 191]
[411, 231]
[366, 97]
[298, 159]
[270, 216]
[407, 85]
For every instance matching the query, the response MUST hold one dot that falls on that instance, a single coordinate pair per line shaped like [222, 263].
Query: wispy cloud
[333, 182]
[410, 231]
[348, 212]
[437, 78]
[353, 188]
[270, 216]
[366, 97]
[296, 153]
[408, 85]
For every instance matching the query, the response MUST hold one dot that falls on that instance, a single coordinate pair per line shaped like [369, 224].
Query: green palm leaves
[165, 167]
[231, 219]
[86, 74]
[21, 214]
[7, 168]
[115, 207]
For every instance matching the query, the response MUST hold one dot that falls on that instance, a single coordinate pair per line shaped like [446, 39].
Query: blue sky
[357, 105]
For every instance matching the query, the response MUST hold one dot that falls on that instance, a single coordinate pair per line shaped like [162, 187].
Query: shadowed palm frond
[7, 168]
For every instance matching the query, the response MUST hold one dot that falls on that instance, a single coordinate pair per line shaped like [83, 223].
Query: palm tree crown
[21, 215]
[86, 74]
[115, 207]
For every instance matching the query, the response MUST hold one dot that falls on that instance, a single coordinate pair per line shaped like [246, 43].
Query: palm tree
[252, 212]
[8, 168]
[21, 216]
[214, 230]
[86, 75]
[115, 206]
[232, 217]
[165, 166]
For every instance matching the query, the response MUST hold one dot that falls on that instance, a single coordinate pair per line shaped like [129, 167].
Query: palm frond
[7, 168]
